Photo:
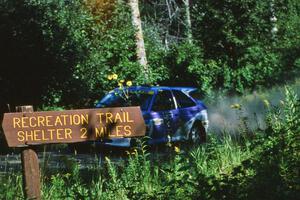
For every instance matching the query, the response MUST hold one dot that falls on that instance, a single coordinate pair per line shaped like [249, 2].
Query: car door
[162, 113]
[187, 110]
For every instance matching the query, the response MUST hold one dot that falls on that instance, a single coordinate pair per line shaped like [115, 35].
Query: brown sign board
[69, 126]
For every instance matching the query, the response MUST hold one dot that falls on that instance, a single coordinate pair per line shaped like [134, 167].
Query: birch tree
[188, 23]
[140, 46]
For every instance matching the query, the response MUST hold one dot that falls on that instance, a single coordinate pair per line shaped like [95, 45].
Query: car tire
[197, 133]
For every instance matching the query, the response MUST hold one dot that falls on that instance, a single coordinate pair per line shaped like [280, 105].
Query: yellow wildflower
[236, 106]
[114, 76]
[134, 152]
[109, 77]
[129, 83]
[120, 84]
[122, 81]
[177, 149]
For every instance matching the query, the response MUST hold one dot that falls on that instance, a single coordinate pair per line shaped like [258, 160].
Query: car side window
[182, 99]
[163, 101]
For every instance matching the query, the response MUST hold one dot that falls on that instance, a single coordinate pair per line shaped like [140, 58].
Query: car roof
[157, 88]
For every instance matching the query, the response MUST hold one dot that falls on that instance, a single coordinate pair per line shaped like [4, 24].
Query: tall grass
[219, 156]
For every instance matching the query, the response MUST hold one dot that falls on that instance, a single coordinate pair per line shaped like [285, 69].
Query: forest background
[60, 52]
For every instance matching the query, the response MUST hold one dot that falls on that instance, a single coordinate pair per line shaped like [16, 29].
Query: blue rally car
[170, 113]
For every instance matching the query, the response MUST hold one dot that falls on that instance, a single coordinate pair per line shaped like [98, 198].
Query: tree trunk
[188, 23]
[140, 46]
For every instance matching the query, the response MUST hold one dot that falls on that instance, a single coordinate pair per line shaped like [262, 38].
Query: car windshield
[123, 98]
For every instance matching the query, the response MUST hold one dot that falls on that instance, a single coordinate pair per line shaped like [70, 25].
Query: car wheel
[197, 133]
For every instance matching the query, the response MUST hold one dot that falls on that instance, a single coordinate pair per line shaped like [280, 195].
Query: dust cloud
[234, 114]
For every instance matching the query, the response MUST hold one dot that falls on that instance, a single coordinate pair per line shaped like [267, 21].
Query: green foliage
[11, 187]
[183, 59]
[246, 39]
[66, 49]
[179, 180]
[237, 45]
[45, 42]
[112, 51]
[156, 54]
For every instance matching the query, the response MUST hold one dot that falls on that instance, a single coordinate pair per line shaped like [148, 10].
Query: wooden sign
[32, 128]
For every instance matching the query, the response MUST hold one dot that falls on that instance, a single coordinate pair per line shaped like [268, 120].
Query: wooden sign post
[26, 128]
[30, 166]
